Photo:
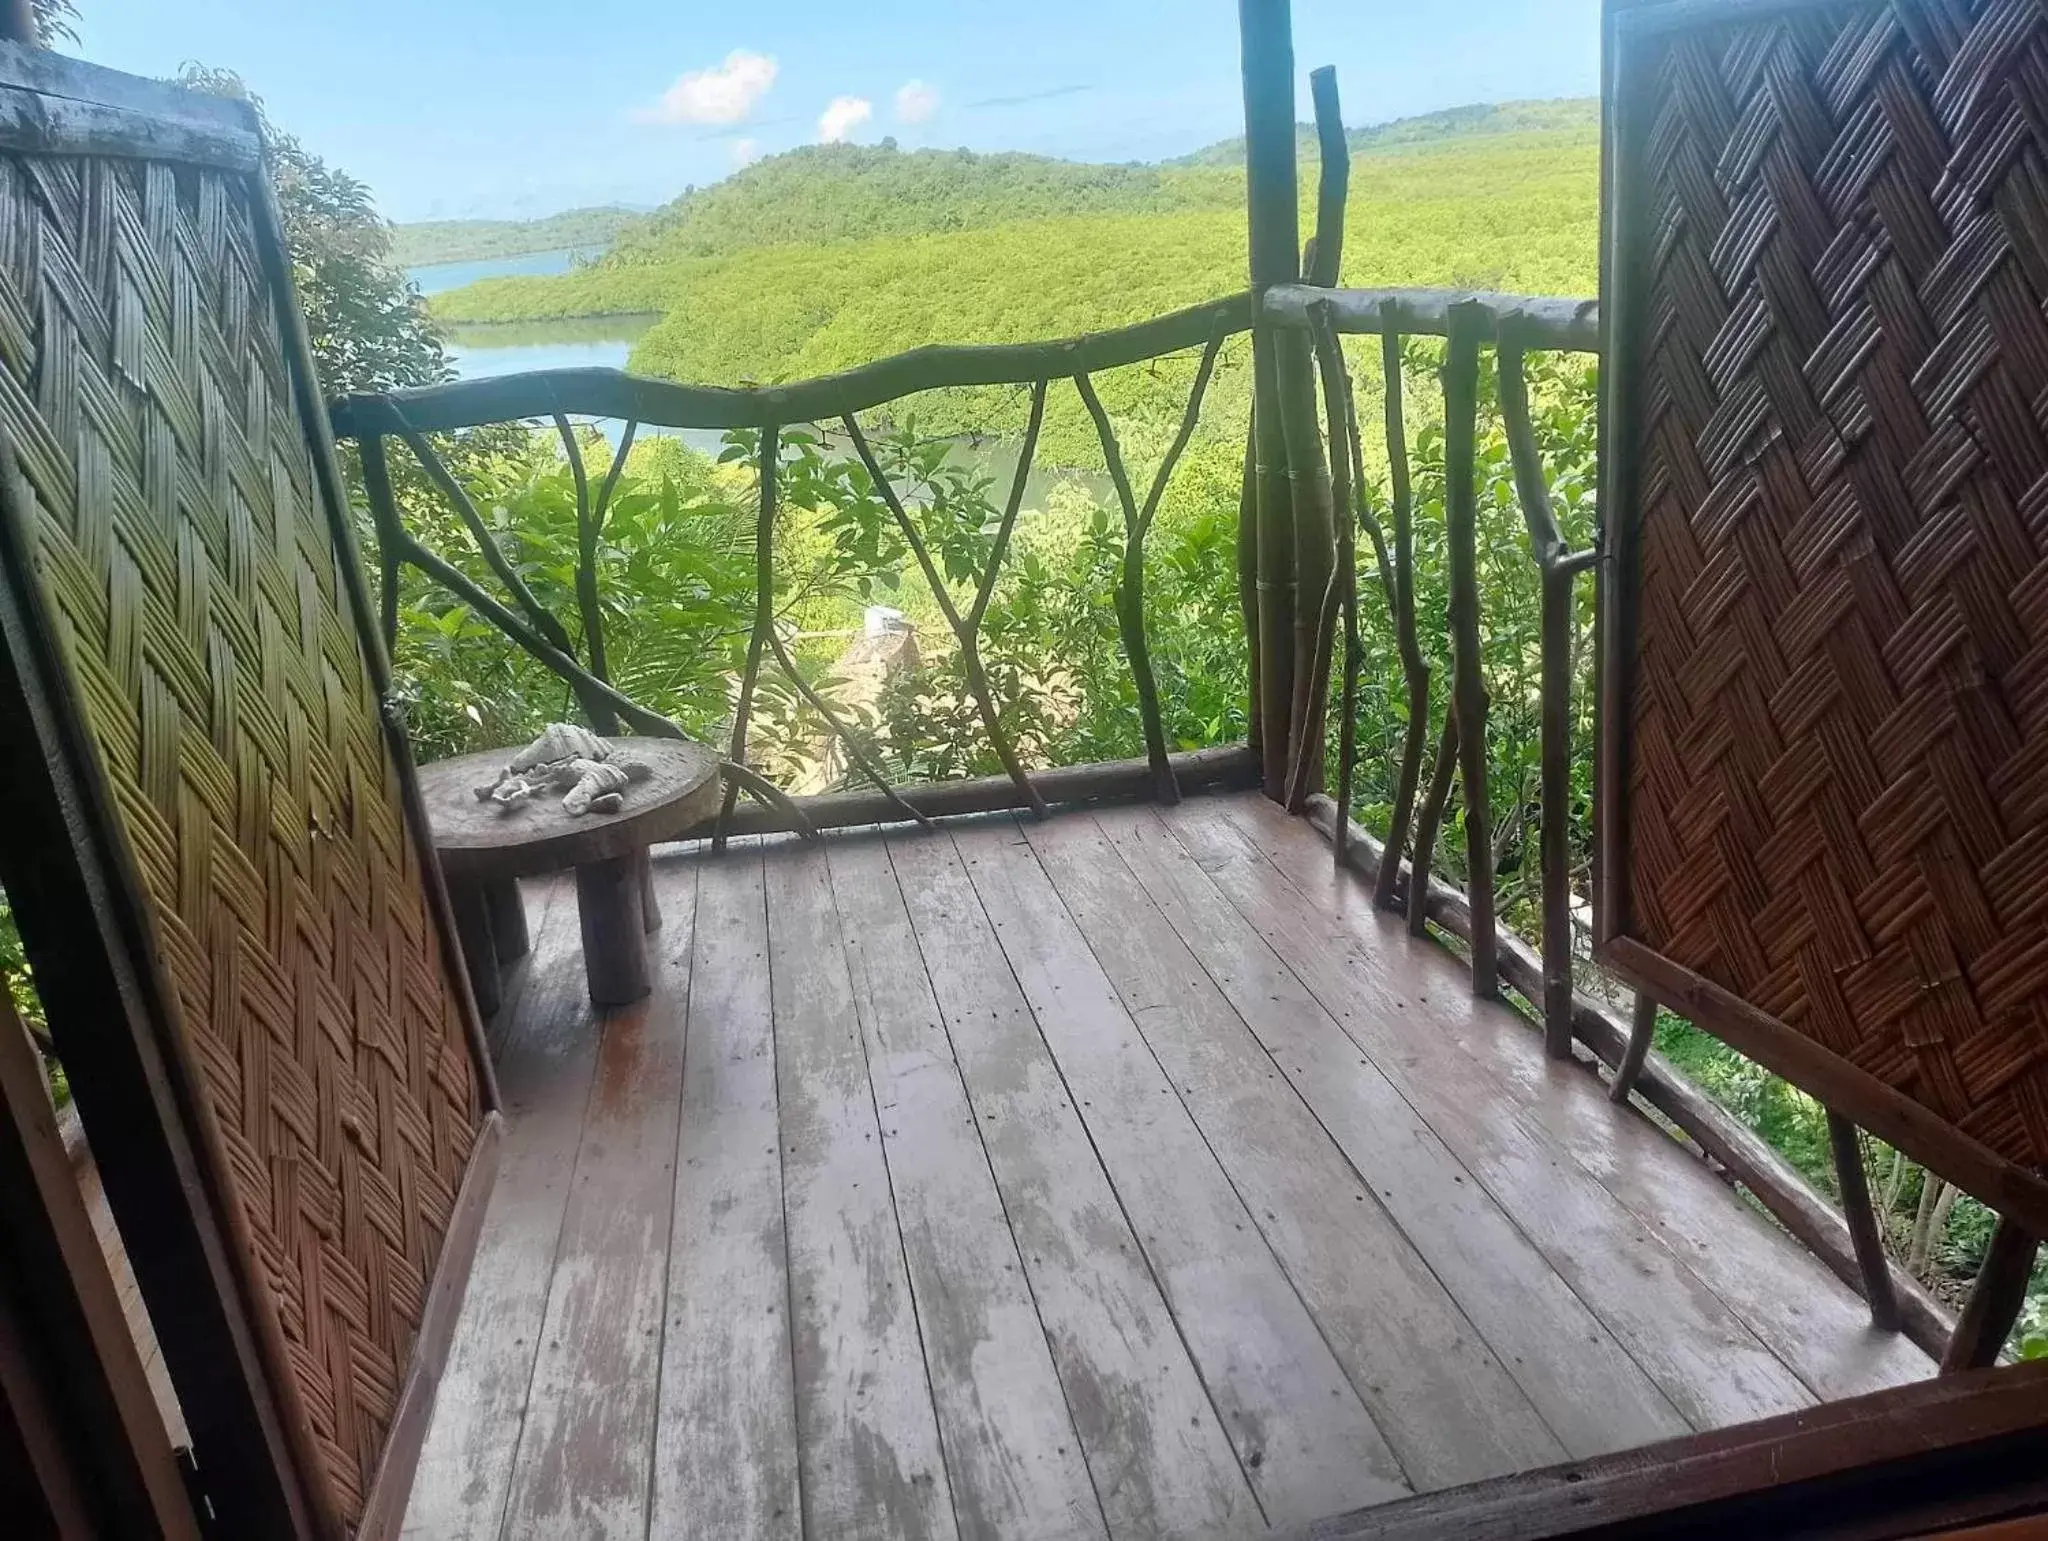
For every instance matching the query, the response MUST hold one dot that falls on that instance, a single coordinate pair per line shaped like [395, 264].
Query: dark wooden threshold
[1225, 768]
[1965, 1449]
[1781, 1190]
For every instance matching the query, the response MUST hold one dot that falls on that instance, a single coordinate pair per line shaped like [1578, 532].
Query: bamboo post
[1414, 667]
[1467, 326]
[384, 515]
[769, 462]
[1274, 221]
[1308, 478]
[1995, 1302]
[1853, 1181]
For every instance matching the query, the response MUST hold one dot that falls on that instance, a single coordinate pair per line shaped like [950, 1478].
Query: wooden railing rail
[666, 404]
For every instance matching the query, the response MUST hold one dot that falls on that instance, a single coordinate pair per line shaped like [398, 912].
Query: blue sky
[512, 108]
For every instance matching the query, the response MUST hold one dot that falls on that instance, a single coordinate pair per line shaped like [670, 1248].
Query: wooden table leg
[614, 931]
[473, 931]
[650, 907]
[508, 920]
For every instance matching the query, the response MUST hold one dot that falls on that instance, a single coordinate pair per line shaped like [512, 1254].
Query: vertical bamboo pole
[1266, 32]
[1467, 326]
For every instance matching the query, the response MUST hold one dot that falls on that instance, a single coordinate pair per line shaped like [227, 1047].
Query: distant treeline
[477, 240]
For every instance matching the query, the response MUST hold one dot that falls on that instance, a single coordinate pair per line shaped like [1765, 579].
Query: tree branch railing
[1513, 326]
[583, 662]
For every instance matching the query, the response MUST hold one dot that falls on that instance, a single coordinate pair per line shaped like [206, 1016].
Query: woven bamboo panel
[184, 553]
[1838, 767]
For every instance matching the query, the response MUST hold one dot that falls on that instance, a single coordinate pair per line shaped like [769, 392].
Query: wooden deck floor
[1124, 1174]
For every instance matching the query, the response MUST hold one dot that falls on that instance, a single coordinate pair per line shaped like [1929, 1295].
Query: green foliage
[368, 328]
[833, 193]
[420, 242]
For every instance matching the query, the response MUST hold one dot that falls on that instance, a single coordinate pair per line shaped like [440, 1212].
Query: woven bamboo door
[212, 837]
[1824, 750]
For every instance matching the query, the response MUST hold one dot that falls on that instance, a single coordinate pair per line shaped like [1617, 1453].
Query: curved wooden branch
[769, 462]
[769, 795]
[1190, 416]
[1336, 388]
[855, 750]
[967, 638]
[588, 605]
[1414, 667]
[579, 679]
[1343, 587]
[611, 477]
[1468, 696]
[538, 614]
[611, 393]
[1026, 457]
[1130, 599]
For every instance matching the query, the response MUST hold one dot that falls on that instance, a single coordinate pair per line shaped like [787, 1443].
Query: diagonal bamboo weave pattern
[1839, 773]
[182, 548]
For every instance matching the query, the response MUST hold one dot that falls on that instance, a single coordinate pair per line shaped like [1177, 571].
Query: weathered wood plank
[868, 1440]
[1787, 1296]
[584, 1456]
[1426, 1375]
[1012, 1455]
[1593, 1396]
[1158, 1456]
[544, 1072]
[1298, 1425]
[1400, 1000]
[725, 1461]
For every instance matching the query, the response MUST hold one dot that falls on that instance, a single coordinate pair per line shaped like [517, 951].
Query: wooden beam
[1541, 321]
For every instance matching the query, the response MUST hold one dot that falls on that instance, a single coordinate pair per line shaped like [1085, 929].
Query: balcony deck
[1125, 1173]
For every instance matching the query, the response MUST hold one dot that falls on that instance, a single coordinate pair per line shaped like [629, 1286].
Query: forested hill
[1572, 117]
[846, 192]
[475, 240]
[823, 259]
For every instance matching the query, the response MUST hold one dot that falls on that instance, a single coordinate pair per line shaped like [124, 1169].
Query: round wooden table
[485, 849]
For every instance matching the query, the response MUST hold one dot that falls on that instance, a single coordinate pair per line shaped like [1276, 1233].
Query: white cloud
[724, 94]
[916, 102]
[745, 152]
[844, 114]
